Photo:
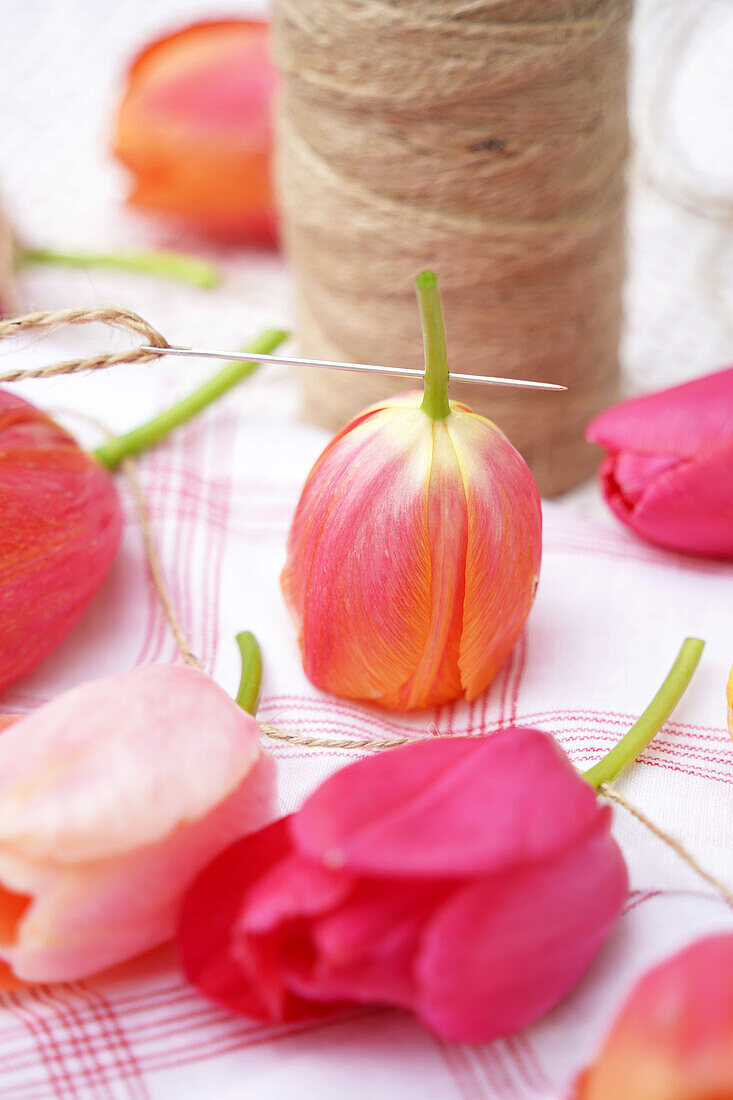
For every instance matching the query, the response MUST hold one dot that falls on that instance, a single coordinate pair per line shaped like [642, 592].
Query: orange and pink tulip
[112, 798]
[673, 1039]
[195, 129]
[414, 553]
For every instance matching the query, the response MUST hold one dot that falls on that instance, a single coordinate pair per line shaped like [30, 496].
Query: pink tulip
[668, 473]
[60, 523]
[415, 549]
[112, 798]
[471, 881]
[60, 517]
[673, 1039]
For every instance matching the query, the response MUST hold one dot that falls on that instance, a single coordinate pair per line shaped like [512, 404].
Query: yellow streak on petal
[437, 678]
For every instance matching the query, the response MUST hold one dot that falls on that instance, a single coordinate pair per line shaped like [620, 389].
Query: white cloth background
[610, 614]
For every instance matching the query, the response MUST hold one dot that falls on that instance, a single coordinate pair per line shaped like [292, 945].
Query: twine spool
[485, 139]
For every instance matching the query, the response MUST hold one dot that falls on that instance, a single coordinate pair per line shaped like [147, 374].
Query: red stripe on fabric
[460, 1068]
[59, 1080]
[72, 1035]
[526, 1054]
[115, 1041]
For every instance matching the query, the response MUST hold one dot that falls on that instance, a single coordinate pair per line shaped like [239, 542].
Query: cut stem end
[435, 403]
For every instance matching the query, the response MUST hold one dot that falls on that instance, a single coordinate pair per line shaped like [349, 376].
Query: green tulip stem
[112, 453]
[656, 714]
[435, 402]
[248, 693]
[168, 265]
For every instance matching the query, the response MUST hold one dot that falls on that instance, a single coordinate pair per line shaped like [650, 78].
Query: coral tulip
[59, 531]
[673, 1039]
[112, 798]
[60, 516]
[195, 128]
[668, 471]
[414, 552]
[470, 880]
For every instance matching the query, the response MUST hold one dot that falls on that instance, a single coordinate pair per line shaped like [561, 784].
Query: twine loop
[106, 315]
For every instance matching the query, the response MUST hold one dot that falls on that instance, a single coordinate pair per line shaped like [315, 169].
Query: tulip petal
[426, 813]
[502, 952]
[504, 546]
[361, 527]
[687, 506]
[437, 679]
[118, 763]
[365, 949]
[88, 917]
[682, 421]
[61, 525]
[210, 912]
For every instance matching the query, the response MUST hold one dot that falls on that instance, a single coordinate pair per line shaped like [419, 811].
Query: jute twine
[106, 315]
[485, 139]
[123, 318]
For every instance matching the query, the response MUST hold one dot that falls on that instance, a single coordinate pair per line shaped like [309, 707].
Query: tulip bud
[414, 552]
[60, 517]
[195, 128]
[673, 1039]
[668, 471]
[112, 798]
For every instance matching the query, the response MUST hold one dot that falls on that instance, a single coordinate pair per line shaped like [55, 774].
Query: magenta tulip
[668, 471]
[469, 881]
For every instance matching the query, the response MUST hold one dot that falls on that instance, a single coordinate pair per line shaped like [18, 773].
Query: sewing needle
[328, 364]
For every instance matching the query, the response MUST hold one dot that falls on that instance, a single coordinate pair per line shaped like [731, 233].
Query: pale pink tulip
[112, 798]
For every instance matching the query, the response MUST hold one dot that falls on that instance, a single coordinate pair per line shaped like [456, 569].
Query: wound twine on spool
[486, 140]
[126, 319]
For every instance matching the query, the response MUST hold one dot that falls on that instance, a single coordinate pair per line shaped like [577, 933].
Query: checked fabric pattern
[609, 617]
